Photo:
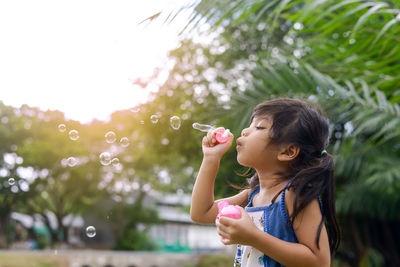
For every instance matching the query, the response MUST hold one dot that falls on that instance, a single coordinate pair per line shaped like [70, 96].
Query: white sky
[79, 56]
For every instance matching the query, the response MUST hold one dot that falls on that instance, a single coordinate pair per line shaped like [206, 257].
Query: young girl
[289, 216]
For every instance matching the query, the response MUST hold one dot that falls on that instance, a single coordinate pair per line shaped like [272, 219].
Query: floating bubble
[105, 158]
[115, 161]
[110, 137]
[90, 231]
[203, 127]
[175, 122]
[135, 109]
[71, 161]
[124, 142]
[73, 135]
[154, 118]
[62, 128]
[11, 181]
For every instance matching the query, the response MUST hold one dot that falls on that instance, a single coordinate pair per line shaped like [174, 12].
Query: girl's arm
[304, 253]
[203, 208]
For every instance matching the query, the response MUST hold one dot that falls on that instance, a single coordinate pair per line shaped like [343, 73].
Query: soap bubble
[71, 161]
[110, 137]
[202, 127]
[154, 118]
[11, 181]
[124, 141]
[91, 231]
[135, 109]
[105, 158]
[73, 135]
[175, 122]
[115, 161]
[62, 128]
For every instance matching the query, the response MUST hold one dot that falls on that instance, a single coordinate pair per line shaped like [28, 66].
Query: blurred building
[178, 232]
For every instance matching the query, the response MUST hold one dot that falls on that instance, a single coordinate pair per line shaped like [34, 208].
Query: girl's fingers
[226, 241]
[225, 221]
[222, 233]
[222, 227]
[211, 137]
[205, 141]
[224, 238]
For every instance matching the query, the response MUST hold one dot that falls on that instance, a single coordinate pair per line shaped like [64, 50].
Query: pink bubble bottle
[227, 210]
[222, 135]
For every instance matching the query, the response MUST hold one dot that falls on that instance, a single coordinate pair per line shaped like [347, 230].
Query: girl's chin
[241, 162]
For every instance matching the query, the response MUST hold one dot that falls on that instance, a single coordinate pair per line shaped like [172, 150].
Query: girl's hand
[212, 148]
[236, 231]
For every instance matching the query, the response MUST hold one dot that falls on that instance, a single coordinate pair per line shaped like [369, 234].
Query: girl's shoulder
[290, 196]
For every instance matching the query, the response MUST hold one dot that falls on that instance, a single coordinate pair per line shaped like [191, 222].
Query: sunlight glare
[80, 57]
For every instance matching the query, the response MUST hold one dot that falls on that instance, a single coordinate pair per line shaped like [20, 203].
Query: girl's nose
[244, 132]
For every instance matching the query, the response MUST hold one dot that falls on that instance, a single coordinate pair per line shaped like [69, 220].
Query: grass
[18, 260]
[213, 261]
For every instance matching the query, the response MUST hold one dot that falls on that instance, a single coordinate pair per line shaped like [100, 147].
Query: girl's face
[253, 146]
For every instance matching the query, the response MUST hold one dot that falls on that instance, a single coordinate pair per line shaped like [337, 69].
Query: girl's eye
[259, 128]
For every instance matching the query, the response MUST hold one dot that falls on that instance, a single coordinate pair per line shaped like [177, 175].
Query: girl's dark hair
[297, 122]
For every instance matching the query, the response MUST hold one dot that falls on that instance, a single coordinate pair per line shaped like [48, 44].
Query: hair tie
[323, 152]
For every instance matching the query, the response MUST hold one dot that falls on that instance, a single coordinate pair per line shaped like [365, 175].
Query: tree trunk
[3, 235]
[5, 214]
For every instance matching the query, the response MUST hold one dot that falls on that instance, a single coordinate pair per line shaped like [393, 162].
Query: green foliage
[45, 182]
[134, 239]
[42, 241]
[131, 217]
[344, 56]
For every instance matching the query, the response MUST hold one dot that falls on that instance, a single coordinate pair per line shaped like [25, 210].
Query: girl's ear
[288, 152]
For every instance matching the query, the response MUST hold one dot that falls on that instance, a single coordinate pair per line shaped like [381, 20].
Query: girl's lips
[238, 144]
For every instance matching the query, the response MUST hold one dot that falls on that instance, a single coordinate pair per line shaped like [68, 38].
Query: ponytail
[318, 182]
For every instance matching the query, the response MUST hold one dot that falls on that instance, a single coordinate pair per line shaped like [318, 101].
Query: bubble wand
[221, 134]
